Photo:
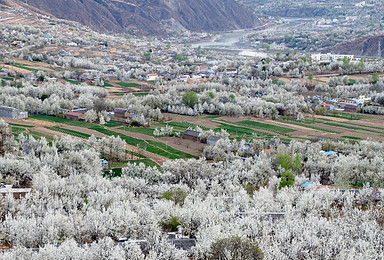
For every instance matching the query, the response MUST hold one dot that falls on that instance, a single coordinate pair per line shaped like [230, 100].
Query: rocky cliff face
[150, 16]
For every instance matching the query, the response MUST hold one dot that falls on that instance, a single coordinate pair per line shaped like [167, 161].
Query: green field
[18, 130]
[155, 148]
[312, 127]
[171, 149]
[62, 121]
[140, 130]
[22, 66]
[72, 81]
[113, 124]
[211, 116]
[128, 85]
[352, 127]
[27, 126]
[241, 131]
[351, 137]
[268, 127]
[69, 132]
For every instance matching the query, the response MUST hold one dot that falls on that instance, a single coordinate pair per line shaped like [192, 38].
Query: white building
[330, 57]
[152, 77]
[11, 112]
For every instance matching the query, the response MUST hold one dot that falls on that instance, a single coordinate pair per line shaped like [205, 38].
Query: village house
[75, 116]
[350, 107]
[212, 139]
[152, 77]
[231, 72]
[121, 113]
[192, 135]
[202, 69]
[29, 76]
[104, 164]
[11, 112]
[3, 73]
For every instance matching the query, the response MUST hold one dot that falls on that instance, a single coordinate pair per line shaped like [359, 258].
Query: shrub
[177, 195]
[235, 248]
[170, 224]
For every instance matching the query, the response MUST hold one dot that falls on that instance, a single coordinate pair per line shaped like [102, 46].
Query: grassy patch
[305, 121]
[313, 127]
[171, 149]
[155, 147]
[352, 127]
[62, 121]
[128, 85]
[113, 124]
[351, 137]
[140, 130]
[18, 130]
[21, 66]
[370, 127]
[107, 85]
[69, 132]
[348, 116]
[112, 173]
[212, 116]
[140, 94]
[72, 81]
[241, 131]
[272, 128]
[140, 143]
[27, 126]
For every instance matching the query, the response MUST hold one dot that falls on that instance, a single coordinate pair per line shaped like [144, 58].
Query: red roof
[325, 104]
[73, 114]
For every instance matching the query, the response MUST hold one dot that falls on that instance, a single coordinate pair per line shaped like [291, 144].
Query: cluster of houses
[329, 57]
[118, 114]
[334, 105]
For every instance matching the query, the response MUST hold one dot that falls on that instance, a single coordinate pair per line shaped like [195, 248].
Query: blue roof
[307, 184]
[330, 153]
[245, 147]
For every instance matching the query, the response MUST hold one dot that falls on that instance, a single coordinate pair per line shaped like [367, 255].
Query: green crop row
[272, 128]
[68, 132]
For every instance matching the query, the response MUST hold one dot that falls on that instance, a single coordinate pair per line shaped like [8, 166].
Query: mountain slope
[364, 46]
[149, 16]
